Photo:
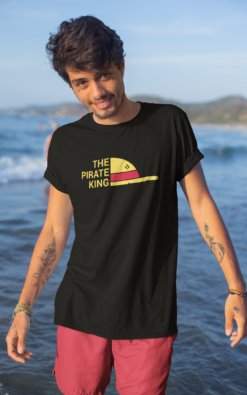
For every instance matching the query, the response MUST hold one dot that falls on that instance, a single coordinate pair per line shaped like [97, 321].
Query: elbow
[205, 202]
[59, 232]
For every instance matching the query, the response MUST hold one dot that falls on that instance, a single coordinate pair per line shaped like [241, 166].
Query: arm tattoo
[48, 257]
[236, 309]
[217, 248]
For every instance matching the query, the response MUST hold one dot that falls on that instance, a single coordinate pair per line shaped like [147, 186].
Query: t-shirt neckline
[107, 129]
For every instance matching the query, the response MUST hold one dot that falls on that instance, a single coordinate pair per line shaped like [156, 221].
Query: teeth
[100, 104]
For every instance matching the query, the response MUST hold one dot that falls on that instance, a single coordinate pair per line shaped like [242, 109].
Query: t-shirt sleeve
[188, 154]
[53, 171]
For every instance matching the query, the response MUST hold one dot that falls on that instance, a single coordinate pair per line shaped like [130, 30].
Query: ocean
[203, 361]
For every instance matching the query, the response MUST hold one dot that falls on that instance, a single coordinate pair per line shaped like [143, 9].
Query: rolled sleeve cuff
[189, 164]
[50, 177]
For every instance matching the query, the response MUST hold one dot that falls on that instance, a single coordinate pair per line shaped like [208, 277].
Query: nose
[98, 91]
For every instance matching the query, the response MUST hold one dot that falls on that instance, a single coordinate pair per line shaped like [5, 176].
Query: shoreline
[220, 126]
[237, 126]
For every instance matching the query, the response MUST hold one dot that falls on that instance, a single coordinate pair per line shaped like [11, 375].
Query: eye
[106, 74]
[80, 83]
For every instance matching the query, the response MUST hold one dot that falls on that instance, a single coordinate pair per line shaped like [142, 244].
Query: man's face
[91, 88]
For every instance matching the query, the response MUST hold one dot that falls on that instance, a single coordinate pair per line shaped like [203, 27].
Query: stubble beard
[111, 112]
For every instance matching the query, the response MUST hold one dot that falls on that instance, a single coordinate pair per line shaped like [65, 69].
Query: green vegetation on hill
[231, 110]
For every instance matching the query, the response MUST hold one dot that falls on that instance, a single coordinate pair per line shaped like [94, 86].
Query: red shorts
[83, 364]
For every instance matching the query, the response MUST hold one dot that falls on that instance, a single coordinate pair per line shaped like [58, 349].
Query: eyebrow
[95, 74]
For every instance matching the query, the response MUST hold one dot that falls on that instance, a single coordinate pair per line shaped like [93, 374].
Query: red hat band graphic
[123, 172]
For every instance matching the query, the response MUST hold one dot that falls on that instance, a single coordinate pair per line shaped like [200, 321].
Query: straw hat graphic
[123, 172]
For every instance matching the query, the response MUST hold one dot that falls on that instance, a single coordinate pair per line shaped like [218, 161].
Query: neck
[125, 112]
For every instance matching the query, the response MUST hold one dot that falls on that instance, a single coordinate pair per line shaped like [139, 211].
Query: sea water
[203, 361]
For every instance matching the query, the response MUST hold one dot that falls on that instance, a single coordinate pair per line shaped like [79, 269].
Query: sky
[189, 51]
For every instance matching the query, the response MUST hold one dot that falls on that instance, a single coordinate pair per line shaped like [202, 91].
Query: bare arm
[214, 232]
[46, 255]
[49, 247]
[47, 144]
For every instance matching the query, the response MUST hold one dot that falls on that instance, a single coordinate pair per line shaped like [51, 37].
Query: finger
[26, 355]
[21, 342]
[239, 336]
[12, 351]
[228, 324]
[29, 353]
[234, 334]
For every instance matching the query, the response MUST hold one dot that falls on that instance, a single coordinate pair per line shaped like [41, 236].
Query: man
[117, 169]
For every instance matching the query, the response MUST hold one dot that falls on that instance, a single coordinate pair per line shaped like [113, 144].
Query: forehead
[72, 73]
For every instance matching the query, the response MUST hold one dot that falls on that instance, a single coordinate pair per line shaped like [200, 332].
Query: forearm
[214, 232]
[46, 254]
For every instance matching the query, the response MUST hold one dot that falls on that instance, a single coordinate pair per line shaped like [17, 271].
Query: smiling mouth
[103, 104]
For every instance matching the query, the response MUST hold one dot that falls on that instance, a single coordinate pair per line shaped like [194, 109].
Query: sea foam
[24, 168]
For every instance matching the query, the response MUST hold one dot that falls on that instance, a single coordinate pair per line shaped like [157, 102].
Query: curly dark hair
[84, 43]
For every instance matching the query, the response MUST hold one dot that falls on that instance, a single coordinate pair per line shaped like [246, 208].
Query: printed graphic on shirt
[113, 172]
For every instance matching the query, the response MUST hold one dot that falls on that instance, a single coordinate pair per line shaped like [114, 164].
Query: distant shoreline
[219, 126]
[228, 112]
[229, 126]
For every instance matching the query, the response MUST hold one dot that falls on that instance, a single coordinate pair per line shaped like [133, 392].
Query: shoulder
[166, 109]
[166, 113]
[67, 130]
[172, 111]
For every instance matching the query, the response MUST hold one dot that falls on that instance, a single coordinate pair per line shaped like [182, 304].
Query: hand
[15, 338]
[236, 308]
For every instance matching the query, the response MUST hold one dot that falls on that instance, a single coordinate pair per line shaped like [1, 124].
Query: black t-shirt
[120, 281]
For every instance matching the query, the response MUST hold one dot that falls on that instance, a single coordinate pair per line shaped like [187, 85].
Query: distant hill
[230, 110]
